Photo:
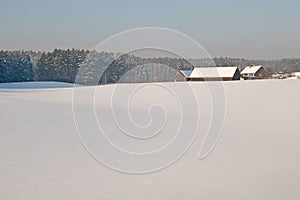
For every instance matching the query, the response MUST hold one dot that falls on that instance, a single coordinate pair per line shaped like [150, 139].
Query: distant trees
[59, 65]
[15, 66]
[104, 67]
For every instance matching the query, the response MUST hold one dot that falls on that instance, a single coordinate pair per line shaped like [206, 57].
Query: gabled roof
[213, 72]
[186, 73]
[251, 69]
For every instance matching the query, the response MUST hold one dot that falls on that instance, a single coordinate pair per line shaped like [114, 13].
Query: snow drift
[42, 156]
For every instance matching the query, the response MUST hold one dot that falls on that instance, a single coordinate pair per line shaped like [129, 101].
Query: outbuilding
[254, 72]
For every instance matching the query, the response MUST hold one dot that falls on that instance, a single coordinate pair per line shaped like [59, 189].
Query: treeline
[97, 67]
[59, 65]
[15, 66]
[103, 67]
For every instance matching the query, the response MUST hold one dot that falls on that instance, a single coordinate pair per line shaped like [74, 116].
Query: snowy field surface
[37, 84]
[42, 156]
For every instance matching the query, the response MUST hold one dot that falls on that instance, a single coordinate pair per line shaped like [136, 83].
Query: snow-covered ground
[37, 84]
[257, 156]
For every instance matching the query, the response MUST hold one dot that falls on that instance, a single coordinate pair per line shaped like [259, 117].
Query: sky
[247, 29]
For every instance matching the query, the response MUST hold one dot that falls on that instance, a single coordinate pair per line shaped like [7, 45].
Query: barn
[209, 74]
[254, 72]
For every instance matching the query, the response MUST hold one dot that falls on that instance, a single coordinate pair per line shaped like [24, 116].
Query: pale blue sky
[249, 29]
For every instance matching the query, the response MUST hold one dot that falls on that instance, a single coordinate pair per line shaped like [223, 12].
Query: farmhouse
[254, 72]
[209, 74]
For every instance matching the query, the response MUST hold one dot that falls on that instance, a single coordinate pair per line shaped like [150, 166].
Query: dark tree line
[97, 67]
[59, 65]
[103, 67]
[130, 68]
[15, 66]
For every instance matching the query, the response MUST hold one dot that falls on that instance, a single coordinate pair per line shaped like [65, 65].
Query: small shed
[254, 72]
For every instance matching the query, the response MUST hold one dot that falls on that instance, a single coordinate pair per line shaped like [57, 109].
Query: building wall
[237, 75]
[212, 79]
[262, 73]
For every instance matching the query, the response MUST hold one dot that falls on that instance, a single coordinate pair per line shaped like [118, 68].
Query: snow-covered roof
[213, 72]
[186, 73]
[297, 74]
[251, 69]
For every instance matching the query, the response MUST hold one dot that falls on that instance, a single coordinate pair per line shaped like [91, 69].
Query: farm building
[254, 72]
[209, 74]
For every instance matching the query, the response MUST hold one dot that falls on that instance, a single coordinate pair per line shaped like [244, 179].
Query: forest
[104, 67]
